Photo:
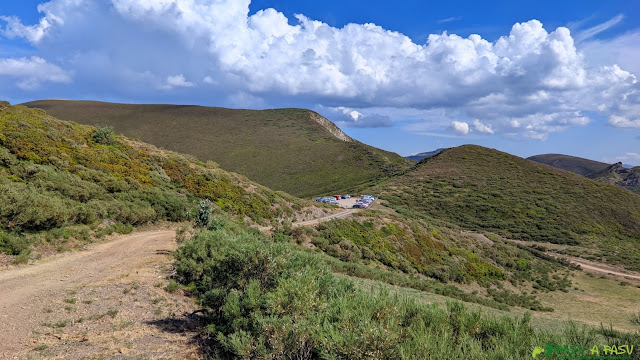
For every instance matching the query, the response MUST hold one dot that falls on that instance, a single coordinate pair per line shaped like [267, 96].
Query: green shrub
[27, 208]
[7, 159]
[204, 213]
[269, 300]
[23, 257]
[172, 286]
[104, 135]
[12, 244]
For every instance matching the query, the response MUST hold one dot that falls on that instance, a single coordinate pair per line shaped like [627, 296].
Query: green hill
[297, 291]
[574, 164]
[58, 177]
[294, 150]
[485, 189]
[617, 174]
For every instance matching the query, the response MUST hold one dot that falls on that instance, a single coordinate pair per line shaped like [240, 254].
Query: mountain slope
[423, 155]
[56, 174]
[617, 174]
[485, 189]
[574, 164]
[294, 150]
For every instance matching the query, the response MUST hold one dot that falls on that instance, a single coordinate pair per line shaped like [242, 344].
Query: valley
[209, 261]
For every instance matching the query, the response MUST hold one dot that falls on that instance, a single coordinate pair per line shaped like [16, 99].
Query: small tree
[204, 213]
[104, 135]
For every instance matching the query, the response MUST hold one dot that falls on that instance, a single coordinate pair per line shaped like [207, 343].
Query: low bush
[104, 135]
[12, 244]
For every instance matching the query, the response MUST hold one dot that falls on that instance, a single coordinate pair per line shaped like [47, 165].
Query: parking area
[347, 203]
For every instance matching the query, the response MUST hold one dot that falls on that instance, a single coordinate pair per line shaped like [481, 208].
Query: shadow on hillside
[189, 324]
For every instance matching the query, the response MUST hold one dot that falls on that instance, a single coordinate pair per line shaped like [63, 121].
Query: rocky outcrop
[617, 174]
[331, 127]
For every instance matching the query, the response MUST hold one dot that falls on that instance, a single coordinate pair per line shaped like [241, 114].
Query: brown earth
[108, 301]
[336, 215]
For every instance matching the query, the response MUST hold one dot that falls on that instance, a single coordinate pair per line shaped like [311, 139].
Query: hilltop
[293, 150]
[617, 174]
[488, 190]
[574, 164]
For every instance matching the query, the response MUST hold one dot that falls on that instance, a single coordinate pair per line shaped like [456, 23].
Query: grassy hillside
[61, 179]
[293, 150]
[289, 294]
[574, 164]
[616, 174]
[488, 190]
[268, 299]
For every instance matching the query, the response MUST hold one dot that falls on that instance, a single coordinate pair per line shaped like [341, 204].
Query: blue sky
[408, 76]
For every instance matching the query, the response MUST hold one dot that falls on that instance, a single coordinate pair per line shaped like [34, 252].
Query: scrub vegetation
[490, 191]
[60, 180]
[297, 292]
[293, 150]
[268, 299]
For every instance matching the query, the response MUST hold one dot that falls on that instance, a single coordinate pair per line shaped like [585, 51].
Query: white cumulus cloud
[529, 83]
[622, 122]
[480, 127]
[31, 72]
[460, 127]
[177, 81]
[352, 118]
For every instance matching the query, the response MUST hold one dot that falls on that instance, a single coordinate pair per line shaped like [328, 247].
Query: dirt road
[29, 295]
[600, 269]
[586, 265]
[26, 291]
[338, 215]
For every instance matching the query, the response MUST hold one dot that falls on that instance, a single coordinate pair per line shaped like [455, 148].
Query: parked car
[338, 197]
[332, 201]
[361, 205]
[369, 197]
[346, 196]
[320, 199]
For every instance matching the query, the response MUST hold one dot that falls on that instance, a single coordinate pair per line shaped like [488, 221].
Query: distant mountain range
[423, 155]
[574, 164]
[617, 174]
[622, 175]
